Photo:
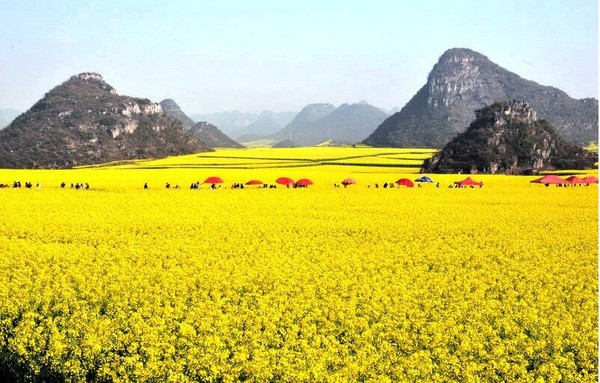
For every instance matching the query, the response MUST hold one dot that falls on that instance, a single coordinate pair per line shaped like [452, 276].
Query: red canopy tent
[590, 180]
[405, 182]
[575, 180]
[349, 181]
[304, 182]
[285, 181]
[550, 179]
[468, 182]
[213, 180]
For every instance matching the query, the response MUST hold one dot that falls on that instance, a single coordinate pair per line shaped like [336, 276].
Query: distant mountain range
[348, 123]
[212, 136]
[238, 125]
[84, 121]
[463, 81]
[202, 130]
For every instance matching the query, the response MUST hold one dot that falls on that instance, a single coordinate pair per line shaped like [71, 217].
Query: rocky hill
[303, 120]
[85, 121]
[507, 137]
[204, 131]
[212, 136]
[171, 109]
[463, 81]
[348, 123]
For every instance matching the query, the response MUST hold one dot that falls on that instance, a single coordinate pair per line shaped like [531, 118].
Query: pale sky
[213, 56]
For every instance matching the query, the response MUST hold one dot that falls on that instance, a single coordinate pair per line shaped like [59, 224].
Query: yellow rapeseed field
[117, 283]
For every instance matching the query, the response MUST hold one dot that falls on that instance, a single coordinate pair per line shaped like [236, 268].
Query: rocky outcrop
[84, 121]
[507, 137]
[463, 81]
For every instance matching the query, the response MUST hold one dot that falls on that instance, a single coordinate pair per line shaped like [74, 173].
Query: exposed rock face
[84, 121]
[508, 137]
[212, 136]
[463, 81]
[349, 123]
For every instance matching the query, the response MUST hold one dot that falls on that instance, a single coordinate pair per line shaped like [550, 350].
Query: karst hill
[84, 121]
[507, 137]
[463, 81]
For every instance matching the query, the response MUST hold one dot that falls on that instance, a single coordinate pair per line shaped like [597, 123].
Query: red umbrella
[575, 180]
[254, 182]
[213, 180]
[285, 181]
[349, 181]
[591, 180]
[549, 179]
[468, 182]
[405, 182]
[304, 182]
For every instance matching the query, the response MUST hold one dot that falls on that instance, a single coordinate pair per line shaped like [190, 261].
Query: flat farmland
[117, 283]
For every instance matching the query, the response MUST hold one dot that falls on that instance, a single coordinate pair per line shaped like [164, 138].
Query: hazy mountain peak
[348, 123]
[171, 108]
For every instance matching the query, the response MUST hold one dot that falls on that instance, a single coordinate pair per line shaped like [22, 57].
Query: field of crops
[317, 284]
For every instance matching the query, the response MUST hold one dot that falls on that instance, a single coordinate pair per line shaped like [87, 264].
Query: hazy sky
[280, 55]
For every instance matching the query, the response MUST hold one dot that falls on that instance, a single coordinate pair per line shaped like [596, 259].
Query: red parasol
[591, 180]
[304, 182]
[349, 181]
[213, 180]
[468, 182]
[549, 179]
[254, 182]
[285, 181]
[405, 182]
[575, 180]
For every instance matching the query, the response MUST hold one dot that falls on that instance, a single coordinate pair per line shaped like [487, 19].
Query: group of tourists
[76, 186]
[17, 185]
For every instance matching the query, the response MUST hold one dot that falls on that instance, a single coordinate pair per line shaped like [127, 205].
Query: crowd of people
[29, 185]
[76, 186]
[18, 184]
[239, 185]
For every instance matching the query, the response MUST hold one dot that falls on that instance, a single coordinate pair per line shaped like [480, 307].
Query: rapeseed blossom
[124, 284]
